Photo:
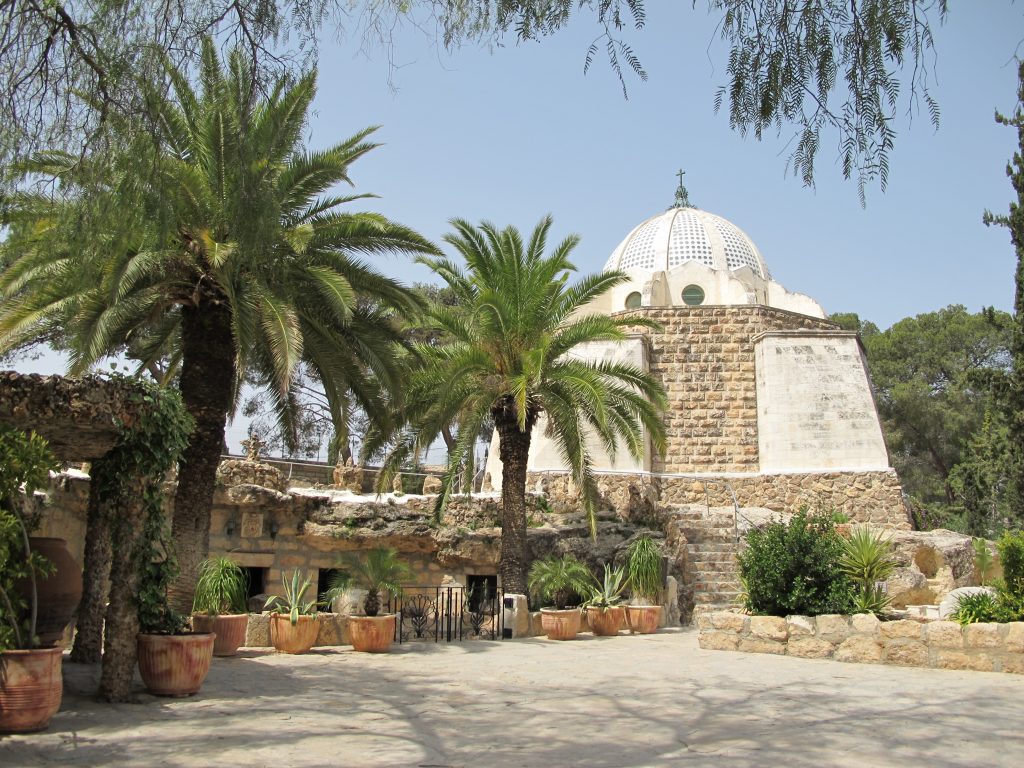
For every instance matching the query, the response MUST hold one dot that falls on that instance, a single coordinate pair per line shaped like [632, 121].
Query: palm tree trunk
[95, 574]
[514, 450]
[207, 379]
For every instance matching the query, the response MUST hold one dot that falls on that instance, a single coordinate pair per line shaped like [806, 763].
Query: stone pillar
[516, 615]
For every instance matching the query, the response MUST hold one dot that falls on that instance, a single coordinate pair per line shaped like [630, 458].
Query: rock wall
[704, 357]
[309, 529]
[865, 497]
[865, 639]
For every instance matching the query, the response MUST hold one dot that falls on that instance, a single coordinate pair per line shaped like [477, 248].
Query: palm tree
[230, 259]
[508, 357]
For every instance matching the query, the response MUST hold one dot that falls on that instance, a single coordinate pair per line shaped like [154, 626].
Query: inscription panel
[814, 405]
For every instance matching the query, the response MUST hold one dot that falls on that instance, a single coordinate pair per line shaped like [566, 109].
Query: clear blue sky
[513, 134]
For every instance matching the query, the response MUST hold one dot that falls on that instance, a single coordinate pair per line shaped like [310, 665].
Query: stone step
[712, 597]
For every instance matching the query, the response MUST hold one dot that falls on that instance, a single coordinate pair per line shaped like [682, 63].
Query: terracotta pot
[371, 634]
[229, 629]
[30, 689]
[293, 638]
[59, 593]
[606, 622]
[174, 665]
[560, 625]
[643, 619]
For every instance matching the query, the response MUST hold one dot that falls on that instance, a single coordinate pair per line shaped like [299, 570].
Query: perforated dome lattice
[680, 235]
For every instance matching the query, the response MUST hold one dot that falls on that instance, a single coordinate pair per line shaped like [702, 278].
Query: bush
[979, 606]
[794, 568]
[1011, 557]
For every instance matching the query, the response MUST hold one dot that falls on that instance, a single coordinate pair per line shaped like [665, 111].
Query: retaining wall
[863, 638]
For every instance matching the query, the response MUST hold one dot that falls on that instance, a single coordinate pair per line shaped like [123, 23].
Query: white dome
[683, 234]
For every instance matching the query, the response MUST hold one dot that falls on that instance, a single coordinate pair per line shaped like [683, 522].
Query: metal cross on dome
[682, 197]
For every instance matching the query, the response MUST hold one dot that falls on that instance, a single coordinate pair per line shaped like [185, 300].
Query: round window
[633, 300]
[693, 295]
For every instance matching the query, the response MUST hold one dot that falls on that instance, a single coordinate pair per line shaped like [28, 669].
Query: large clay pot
[371, 634]
[607, 621]
[560, 625]
[30, 689]
[643, 619]
[59, 593]
[293, 638]
[229, 629]
[175, 665]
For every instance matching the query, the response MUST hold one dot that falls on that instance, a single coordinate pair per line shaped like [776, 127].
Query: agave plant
[867, 561]
[292, 603]
[376, 571]
[607, 592]
[556, 579]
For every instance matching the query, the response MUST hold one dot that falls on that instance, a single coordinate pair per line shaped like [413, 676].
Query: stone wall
[310, 529]
[704, 357]
[865, 639]
[865, 497]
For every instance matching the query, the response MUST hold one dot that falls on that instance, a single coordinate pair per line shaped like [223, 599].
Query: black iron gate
[446, 613]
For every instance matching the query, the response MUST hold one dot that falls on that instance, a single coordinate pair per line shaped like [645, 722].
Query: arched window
[693, 295]
[633, 300]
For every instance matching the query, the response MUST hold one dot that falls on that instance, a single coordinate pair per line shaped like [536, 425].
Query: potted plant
[294, 623]
[172, 661]
[604, 614]
[30, 674]
[554, 580]
[643, 565]
[376, 571]
[219, 604]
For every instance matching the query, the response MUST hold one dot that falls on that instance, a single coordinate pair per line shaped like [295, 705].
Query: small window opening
[693, 295]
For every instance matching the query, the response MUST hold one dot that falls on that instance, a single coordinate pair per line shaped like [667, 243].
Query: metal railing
[448, 612]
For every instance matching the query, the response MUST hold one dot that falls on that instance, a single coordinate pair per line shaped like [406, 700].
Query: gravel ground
[624, 701]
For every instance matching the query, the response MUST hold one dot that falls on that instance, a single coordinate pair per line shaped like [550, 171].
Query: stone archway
[83, 420]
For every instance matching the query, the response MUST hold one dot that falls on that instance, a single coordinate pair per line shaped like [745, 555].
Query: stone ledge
[864, 639]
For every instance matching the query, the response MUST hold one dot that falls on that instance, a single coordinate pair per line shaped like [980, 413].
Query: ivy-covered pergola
[132, 432]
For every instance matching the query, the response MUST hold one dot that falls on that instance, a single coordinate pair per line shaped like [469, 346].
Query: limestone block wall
[865, 639]
[704, 357]
[865, 497]
[814, 404]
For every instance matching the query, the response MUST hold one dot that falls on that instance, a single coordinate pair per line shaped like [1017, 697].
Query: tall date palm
[235, 260]
[508, 357]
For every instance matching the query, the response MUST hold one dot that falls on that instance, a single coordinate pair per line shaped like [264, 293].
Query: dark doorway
[480, 589]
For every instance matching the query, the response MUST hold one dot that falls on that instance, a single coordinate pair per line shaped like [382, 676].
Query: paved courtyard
[625, 701]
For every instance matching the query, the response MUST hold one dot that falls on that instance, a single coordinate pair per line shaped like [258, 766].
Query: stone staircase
[711, 579]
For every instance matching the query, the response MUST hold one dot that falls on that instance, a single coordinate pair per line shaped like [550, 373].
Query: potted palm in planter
[294, 623]
[604, 614]
[219, 605]
[554, 580]
[30, 675]
[376, 571]
[643, 565]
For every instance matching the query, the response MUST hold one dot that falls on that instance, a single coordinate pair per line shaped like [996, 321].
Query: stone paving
[625, 701]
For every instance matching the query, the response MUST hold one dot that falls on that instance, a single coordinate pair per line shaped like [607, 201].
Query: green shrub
[25, 463]
[794, 568]
[1011, 557]
[979, 606]
[983, 560]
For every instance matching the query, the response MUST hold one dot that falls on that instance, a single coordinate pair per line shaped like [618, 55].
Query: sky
[512, 133]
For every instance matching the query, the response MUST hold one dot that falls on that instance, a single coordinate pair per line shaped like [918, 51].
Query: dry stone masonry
[864, 639]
